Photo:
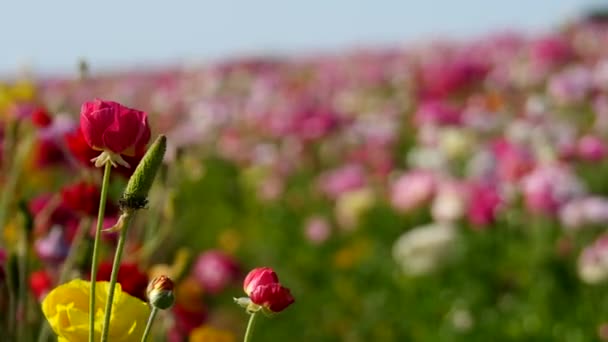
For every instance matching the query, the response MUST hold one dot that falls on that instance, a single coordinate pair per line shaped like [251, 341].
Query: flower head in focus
[115, 130]
[265, 292]
[67, 309]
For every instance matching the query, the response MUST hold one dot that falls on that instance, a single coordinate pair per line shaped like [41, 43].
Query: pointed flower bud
[114, 129]
[160, 292]
[135, 195]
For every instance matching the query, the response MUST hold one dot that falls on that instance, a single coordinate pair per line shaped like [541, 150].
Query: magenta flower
[265, 292]
[412, 190]
[484, 203]
[115, 130]
[215, 271]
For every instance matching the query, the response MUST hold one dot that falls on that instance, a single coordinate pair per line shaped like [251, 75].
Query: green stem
[115, 267]
[22, 292]
[249, 331]
[67, 266]
[12, 180]
[149, 325]
[102, 208]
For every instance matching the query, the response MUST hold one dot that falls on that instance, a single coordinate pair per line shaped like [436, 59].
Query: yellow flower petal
[67, 309]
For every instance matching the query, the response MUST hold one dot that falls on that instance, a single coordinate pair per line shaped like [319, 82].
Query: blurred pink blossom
[412, 190]
[215, 270]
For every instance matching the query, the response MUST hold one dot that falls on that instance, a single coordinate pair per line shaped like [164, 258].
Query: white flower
[423, 249]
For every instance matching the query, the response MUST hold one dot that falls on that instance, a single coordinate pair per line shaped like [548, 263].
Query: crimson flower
[84, 198]
[41, 283]
[115, 130]
[131, 278]
[41, 118]
[83, 153]
[265, 292]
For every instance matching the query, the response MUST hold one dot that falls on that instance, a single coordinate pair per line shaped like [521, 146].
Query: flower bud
[135, 195]
[160, 292]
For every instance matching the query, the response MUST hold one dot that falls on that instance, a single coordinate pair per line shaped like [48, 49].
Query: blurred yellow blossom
[351, 254]
[351, 205]
[229, 240]
[206, 333]
[67, 310]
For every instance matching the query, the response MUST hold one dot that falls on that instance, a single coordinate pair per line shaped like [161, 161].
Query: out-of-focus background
[413, 171]
[50, 37]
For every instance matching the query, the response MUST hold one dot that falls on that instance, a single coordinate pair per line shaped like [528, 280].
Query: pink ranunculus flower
[258, 277]
[317, 229]
[115, 130]
[265, 292]
[591, 148]
[484, 204]
[215, 271]
[548, 187]
[412, 190]
[435, 112]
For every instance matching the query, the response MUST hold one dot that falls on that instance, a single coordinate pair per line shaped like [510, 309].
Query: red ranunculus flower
[84, 198]
[48, 211]
[263, 287]
[114, 129]
[40, 283]
[41, 117]
[131, 279]
[83, 153]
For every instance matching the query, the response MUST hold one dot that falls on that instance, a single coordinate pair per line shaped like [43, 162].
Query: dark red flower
[48, 211]
[84, 198]
[41, 117]
[185, 321]
[131, 278]
[47, 152]
[41, 283]
[2, 264]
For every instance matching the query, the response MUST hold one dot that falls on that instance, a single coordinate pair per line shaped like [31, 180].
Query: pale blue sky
[52, 35]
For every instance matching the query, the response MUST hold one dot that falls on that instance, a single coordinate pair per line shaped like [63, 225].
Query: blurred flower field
[449, 191]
